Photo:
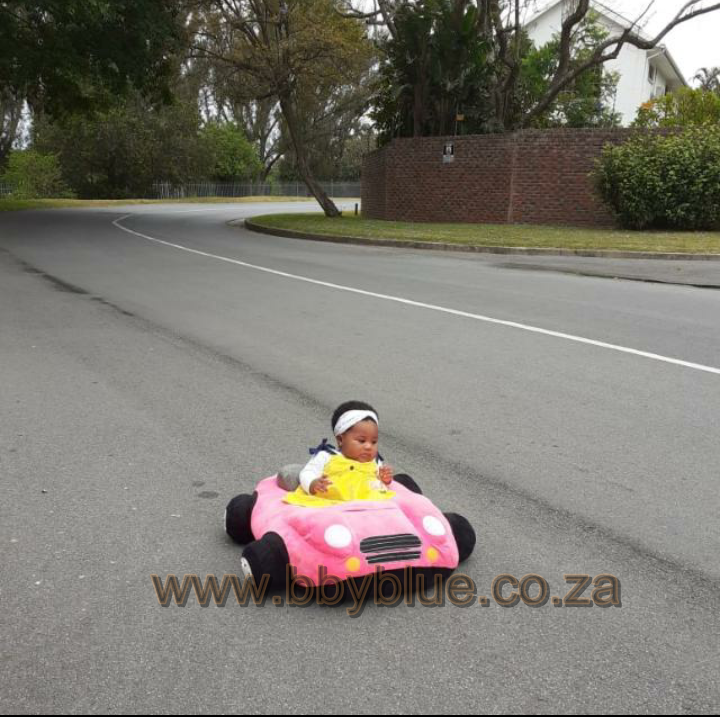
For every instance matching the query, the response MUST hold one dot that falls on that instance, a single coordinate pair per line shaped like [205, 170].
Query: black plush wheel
[464, 534]
[267, 556]
[408, 482]
[237, 518]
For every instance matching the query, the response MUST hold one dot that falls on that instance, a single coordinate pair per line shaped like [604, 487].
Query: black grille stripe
[389, 542]
[392, 557]
[380, 547]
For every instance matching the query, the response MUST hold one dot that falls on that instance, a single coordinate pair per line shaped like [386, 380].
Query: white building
[644, 74]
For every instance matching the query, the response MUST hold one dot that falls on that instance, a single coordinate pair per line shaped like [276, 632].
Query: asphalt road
[143, 385]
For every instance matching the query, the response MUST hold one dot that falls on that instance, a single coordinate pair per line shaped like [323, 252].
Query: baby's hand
[320, 485]
[386, 474]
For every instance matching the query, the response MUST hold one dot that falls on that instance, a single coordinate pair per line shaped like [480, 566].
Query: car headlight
[433, 526]
[338, 536]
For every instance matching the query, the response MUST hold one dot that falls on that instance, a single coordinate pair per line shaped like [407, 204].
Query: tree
[11, 110]
[335, 156]
[291, 51]
[231, 157]
[120, 152]
[66, 55]
[438, 66]
[585, 102]
[498, 23]
[333, 117]
[33, 175]
[225, 98]
[684, 108]
[260, 121]
[435, 66]
[348, 163]
[709, 79]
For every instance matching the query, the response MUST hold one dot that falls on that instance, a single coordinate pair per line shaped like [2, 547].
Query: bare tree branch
[607, 50]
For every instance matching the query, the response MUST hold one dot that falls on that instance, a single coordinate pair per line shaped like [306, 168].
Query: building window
[652, 73]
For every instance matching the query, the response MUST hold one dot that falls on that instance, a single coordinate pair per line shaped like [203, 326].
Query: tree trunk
[10, 116]
[303, 166]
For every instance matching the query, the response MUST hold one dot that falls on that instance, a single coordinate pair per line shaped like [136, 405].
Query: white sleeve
[313, 469]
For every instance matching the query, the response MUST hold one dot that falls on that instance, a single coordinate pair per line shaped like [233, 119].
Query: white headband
[350, 418]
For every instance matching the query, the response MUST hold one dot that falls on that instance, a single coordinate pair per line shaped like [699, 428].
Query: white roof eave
[609, 14]
[622, 21]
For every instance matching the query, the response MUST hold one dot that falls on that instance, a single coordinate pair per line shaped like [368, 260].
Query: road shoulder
[696, 270]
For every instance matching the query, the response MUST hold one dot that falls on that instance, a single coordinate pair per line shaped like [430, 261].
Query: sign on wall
[448, 153]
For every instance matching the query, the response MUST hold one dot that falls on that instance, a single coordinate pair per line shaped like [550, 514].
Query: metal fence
[5, 189]
[165, 190]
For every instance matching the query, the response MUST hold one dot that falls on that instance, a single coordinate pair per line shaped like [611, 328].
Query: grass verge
[509, 235]
[14, 205]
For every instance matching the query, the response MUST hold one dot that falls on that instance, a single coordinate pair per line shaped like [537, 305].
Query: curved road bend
[573, 420]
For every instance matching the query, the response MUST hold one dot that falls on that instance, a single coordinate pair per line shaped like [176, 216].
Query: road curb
[440, 246]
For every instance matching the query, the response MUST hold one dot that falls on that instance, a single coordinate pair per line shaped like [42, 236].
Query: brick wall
[532, 177]
[373, 190]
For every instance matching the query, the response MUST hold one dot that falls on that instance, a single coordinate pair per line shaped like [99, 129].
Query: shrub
[35, 176]
[683, 108]
[232, 157]
[664, 182]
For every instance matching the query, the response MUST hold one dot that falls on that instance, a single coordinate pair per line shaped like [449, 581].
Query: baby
[356, 472]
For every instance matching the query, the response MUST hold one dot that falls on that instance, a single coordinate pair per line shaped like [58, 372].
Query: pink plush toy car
[348, 540]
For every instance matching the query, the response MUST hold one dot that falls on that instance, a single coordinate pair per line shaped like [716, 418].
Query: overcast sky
[693, 45]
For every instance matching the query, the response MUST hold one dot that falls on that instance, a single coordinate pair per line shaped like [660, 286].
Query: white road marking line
[431, 307]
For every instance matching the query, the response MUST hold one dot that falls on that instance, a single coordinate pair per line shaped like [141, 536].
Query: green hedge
[664, 182]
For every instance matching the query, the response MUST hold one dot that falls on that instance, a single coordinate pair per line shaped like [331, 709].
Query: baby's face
[359, 443]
